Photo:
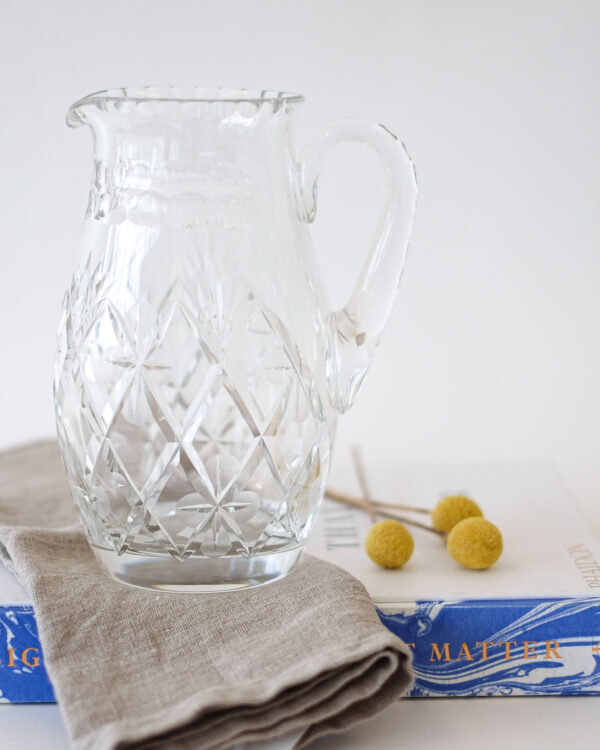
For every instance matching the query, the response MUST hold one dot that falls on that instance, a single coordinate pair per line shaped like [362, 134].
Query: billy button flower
[452, 509]
[389, 543]
[471, 540]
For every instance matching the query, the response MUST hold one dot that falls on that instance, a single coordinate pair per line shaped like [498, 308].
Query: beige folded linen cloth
[134, 669]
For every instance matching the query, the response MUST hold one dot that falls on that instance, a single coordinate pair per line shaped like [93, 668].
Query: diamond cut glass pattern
[199, 371]
[186, 464]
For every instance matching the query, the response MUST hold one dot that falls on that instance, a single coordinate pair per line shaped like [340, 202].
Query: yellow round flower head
[389, 544]
[452, 509]
[475, 543]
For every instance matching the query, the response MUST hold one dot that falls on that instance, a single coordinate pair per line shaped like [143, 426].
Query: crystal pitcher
[199, 370]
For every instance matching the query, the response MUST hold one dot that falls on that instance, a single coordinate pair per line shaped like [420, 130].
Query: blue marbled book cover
[463, 648]
[519, 647]
[23, 678]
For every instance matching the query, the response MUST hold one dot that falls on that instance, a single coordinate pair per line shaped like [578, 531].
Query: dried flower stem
[358, 503]
[353, 500]
[362, 481]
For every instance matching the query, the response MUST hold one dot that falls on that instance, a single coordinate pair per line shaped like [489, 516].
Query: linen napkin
[136, 669]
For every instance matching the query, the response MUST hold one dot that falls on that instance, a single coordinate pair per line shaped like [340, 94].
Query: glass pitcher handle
[356, 328]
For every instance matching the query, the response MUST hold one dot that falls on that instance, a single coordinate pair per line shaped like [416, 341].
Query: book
[529, 625]
[23, 677]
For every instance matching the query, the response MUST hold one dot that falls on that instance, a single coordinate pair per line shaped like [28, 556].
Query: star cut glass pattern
[182, 443]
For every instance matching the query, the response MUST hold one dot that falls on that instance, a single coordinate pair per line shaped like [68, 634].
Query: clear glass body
[199, 371]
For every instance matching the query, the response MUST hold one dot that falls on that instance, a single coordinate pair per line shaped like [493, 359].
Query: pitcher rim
[187, 94]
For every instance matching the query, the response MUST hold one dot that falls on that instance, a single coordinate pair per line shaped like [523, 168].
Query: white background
[493, 350]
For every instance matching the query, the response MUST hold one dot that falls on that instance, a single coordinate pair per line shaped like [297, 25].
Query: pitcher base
[197, 574]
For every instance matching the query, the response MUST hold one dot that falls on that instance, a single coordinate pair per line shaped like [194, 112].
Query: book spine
[500, 647]
[460, 648]
[23, 677]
